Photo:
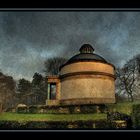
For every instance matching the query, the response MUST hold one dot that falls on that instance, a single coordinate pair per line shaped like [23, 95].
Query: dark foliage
[33, 109]
[22, 110]
[136, 115]
[23, 89]
[24, 86]
[37, 79]
[39, 89]
[7, 92]
[52, 65]
[98, 124]
[116, 116]
[32, 93]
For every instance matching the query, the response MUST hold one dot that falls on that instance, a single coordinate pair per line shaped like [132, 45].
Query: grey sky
[29, 38]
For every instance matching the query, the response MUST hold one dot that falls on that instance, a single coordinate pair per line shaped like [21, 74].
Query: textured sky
[27, 39]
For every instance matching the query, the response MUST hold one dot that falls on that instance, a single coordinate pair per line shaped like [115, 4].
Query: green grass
[50, 117]
[124, 107]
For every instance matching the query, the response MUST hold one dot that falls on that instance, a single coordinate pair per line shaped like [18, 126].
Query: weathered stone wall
[87, 66]
[52, 102]
[100, 87]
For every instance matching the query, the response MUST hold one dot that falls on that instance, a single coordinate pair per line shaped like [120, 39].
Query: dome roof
[86, 54]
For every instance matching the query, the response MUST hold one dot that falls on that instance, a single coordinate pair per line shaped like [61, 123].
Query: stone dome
[86, 54]
[87, 78]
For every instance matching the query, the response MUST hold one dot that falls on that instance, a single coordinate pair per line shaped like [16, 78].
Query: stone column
[48, 94]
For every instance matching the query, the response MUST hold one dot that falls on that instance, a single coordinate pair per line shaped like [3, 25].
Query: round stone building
[86, 78]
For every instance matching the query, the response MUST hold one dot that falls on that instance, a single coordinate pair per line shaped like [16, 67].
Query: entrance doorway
[52, 91]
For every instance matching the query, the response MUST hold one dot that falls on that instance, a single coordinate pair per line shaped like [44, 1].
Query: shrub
[33, 109]
[103, 108]
[71, 109]
[22, 109]
[119, 120]
[136, 115]
[88, 109]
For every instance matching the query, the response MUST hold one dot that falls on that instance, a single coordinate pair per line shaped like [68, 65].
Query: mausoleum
[86, 78]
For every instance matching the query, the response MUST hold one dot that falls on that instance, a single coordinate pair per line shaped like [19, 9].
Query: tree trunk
[131, 98]
[128, 97]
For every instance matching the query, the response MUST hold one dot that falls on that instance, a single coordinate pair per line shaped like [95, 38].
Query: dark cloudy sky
[29, 38]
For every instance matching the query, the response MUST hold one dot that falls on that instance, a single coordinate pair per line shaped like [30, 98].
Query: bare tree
[126, 78]
[7, 91]
[52, 65]
[137, 58]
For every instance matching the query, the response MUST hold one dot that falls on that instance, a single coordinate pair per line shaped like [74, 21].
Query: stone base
[86, 101]
[52, 102]
[69, 109]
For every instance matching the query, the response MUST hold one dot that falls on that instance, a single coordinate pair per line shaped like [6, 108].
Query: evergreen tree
[39, 88]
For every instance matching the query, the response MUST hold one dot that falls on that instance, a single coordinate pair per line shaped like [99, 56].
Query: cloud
[27, 39]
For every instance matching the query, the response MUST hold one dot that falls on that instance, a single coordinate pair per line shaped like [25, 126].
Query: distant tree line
[27, 92]
[7, 91]
[33, 92]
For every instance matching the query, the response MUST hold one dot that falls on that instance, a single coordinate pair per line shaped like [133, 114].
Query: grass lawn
[50, 117]
[124, 107]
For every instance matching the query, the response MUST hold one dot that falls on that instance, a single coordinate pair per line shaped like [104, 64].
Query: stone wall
[98, 90]
[87, 66]
[52, 102]
[87, 82]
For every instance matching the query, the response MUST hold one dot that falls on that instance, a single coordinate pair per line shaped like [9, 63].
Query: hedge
[90, 124]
